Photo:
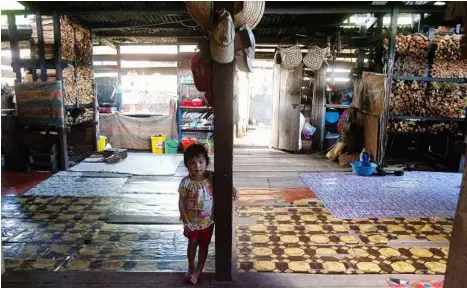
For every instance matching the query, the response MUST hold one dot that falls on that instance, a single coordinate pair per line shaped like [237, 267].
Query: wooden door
[286, 108]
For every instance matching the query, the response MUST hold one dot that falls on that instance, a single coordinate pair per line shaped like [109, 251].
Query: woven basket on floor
[246, 13]
[345, 159]
[315, 57]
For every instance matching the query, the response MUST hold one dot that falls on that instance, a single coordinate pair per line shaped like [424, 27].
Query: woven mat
[416, 194]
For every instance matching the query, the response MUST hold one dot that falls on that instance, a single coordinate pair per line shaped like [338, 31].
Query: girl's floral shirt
[199, 200]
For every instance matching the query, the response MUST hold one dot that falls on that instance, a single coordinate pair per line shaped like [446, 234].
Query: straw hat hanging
[315, 57]
[246, 13]
[289, 55]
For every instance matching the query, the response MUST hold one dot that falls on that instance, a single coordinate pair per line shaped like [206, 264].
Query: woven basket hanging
[246, 13]
[290, 55]
[315, 57]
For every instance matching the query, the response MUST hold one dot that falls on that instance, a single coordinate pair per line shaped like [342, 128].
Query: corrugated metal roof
[118, 19]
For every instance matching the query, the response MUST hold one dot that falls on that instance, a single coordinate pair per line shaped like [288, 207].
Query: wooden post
[421, 23]
[40, 40]
[378, 64]
[119, 65]
[119, 79]
[14, 48]
[223, 89]
[58, 74]
[387, 92]
[318, 110]
[457, 259]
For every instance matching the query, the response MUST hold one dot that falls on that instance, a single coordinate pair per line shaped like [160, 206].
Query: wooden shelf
[429, 79]
[440, 119]
[197, 130]
[79, 106]
[194, 108]
[49, 63]
[337, 106]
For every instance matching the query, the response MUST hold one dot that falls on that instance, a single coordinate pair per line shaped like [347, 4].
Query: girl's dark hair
[195, 150]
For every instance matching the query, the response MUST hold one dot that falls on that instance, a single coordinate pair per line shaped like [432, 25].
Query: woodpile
[407, 99]
[408, 65]
[83, 45]
[69, 85]
[79, 116]
[423, 127]
[448, 47]
[67, 38]
[440, 100]
[412, 52]
[447, 63]
[449, 69]
[85, 91]
[416, 44]
[447, 99]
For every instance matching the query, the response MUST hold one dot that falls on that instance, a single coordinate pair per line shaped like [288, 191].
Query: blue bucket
[332, 116]
[360, 170]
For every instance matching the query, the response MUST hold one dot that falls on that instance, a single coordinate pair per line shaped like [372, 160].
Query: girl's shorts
[203, 236]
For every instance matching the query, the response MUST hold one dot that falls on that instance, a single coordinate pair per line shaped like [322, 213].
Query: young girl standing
[196, 204]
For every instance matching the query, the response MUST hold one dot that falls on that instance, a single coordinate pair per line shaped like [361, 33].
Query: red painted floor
[263, 195]
[16, 183]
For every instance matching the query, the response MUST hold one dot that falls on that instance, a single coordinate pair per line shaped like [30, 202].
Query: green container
[171, 147]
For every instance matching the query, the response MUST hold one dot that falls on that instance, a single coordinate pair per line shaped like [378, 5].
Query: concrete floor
[84, 241]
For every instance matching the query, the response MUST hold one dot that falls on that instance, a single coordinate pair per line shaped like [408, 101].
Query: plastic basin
[360, 170]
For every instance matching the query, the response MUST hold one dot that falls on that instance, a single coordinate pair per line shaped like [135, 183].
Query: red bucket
[187, 142]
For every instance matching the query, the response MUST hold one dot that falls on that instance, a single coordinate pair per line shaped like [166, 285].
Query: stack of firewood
[79, 116]
[408, 65]
[412, 44]
[407, 99]
[67, 38]
[443, 100]
[412, 52]
[406, 127]
[447, 63]
[423, 127]
[447, 99]
[69, 85]
[85, 85]
[83, 45]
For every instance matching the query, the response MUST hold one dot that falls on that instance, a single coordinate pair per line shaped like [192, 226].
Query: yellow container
[157, 144]
[101, 143]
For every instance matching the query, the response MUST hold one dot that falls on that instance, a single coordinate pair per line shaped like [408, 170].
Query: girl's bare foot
[187, 276]
[195, 276]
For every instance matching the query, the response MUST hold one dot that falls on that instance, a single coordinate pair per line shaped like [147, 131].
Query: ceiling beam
[140, 71]
[24, 34]
[101, 27]
[137, 57]
[314, 8]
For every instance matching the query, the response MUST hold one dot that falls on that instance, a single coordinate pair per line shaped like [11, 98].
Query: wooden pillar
[383, 136]
[457, 259]
[40, 40]
[58, 74]
[421, 22]
[119, 65]
[223, 89]
[14, 47]
[318, 110]
[378, 64]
